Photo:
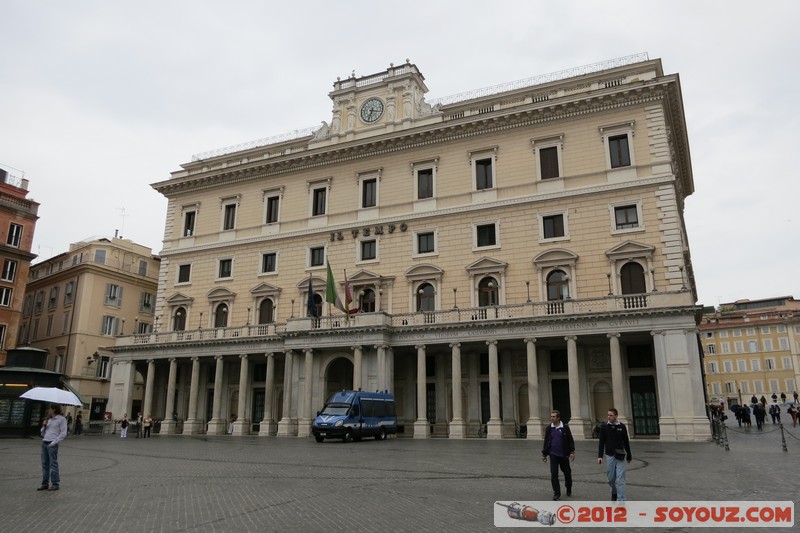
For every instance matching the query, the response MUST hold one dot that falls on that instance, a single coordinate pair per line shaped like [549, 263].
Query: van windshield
[336, 409]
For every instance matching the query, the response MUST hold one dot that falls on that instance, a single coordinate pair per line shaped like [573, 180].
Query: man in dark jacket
[614, 448]
[560, 447]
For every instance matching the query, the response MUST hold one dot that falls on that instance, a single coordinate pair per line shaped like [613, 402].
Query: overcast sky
[100, 99]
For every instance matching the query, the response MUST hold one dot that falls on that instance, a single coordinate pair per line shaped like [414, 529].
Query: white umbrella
[52, 395]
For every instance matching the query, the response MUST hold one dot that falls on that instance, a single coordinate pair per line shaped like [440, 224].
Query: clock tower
[378, 103]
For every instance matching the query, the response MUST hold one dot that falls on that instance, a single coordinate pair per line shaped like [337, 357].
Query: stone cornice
[504, 119]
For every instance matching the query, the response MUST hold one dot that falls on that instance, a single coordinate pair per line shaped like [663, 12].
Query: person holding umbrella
[54, 430]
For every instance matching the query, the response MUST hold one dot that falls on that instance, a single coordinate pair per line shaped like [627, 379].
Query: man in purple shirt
[560, 447]
[54, 430]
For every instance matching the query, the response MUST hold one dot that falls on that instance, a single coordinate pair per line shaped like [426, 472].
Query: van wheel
[319, 439]
[381, 435]
[347, 436]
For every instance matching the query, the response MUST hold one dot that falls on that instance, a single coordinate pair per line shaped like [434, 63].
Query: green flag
[330, 292]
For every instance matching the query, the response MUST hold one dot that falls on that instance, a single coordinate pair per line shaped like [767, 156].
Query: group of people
[614, 449]
[144, 426]
[759, 410]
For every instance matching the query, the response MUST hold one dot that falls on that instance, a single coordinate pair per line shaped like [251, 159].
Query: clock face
[371, 110]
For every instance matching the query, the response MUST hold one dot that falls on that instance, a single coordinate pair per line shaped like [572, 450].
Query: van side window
[354, 411]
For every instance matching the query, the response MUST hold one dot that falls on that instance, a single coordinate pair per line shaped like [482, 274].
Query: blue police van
[351, 415]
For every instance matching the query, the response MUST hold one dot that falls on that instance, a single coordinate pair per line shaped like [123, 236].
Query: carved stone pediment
[265, 289]
[316, 283]
[363, 277]
[630, 249]
[486, 265]
[425, 271]
[179, 299]
[555, 257]
[220, 294]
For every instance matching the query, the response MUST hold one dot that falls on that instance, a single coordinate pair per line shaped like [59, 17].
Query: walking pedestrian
[746, 418]
[775, 413]
[795, 396]
[783, 397]
[69, 422]
[754, 400]
[78, 424]
[54, 430]
[614, 448]
[139, 426]
[148, 424]
[560, 447]
[792, 410]
[123, 425]
[760, 414]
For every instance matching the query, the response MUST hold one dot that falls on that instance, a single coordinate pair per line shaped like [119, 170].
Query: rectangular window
[225, 268]
[113, 295]
[142, 267]
[184, 273]
[712, 368]
[765, 330]
[229, 220]
[711, 349]
[787, 363]
[189, 219]
[103, 367]
[728, 386]
[742, 365]
[715, 388]
[146, 305]
[553, 226]
[65, 324]
[751, 332]
[759, 386]
[5, 296]
[269, 262]
[548, 162]
[768, 345]
[626, 217]
[426, 243]
[369, 193]
[773, 385]
[39, 302]
[739, 346]
[14, 235]
[784, 343]
[752, 346]
[100, 257]
[320, 198]
[737, 332]
[424, 183]
[53, 299]
[273, 203]
[781, 328]
[2, 336]
[144, 327]
[728, 366]
[755, 364]
[619, 151]
[726, 347]
[69, 292]
[49, 327]
[723, 334]
[769, 364]
[486, 235]
[9, 270]
[109, 325]
[483, 174]
[317, 256]
[745, 386]
[369, 250]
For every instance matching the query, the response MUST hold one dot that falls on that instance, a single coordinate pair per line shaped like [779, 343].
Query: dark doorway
[632, 278]
[485, 404]
[209, 406]
[645, 405]
[339, 376]
[258, 410]
[561, 399]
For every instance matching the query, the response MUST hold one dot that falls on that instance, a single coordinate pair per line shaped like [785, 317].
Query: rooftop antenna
[122, 215]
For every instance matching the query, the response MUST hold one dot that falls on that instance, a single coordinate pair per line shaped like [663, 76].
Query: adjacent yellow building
[509, 250]
[751, 348]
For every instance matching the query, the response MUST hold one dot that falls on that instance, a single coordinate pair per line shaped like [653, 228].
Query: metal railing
[531, 310]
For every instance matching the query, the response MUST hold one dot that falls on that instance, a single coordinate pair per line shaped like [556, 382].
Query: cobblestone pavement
[176, 483]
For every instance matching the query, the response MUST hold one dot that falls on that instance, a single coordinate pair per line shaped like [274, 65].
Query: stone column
[618, 379]
[193, 425]
[217, 425]
[267, 427]
[242, 424]
[440, 389]
[534, 420]
[148, 391]
[575, 421]
[357, 355]
[390, 369]
[287, 426]
[380, 349]
[168, 424]
[304, 424]
[457, 425]
[494, 427]
[421, 427]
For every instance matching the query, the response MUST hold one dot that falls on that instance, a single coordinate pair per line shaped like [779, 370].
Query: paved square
[176, 483]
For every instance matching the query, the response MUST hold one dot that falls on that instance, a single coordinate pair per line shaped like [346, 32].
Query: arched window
[266, 311]
[179, 319]
[487, 292]
[221, 316]
[367, 303]
[426, 298]
[557, 285]
[316, 311]
[631, 277]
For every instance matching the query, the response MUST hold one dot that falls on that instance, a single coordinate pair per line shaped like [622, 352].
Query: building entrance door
[560, 389]
[339, 376]
[258, 410]
[645, 405]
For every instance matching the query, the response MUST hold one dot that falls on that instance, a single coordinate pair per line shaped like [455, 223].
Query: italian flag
[330, 292]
